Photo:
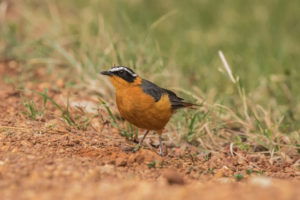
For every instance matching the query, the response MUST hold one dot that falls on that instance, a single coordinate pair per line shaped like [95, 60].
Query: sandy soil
[47, 159]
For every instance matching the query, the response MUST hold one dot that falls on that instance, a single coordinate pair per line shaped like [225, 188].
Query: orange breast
[141, 110]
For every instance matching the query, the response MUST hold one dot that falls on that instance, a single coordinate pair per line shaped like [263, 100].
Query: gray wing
[156, 92]
[152, 89]
[176, 101]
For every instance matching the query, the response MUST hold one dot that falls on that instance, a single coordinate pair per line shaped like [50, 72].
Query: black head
[123, 72]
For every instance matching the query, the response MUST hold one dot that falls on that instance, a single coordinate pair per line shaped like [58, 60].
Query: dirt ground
[47, 159]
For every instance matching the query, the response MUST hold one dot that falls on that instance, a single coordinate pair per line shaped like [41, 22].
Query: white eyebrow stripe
[115, 69]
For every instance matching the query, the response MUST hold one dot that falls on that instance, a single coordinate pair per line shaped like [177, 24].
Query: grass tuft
[238, 176]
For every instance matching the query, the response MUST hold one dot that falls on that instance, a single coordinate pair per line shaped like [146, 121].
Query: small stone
[60, 83]
[224, 180]
[261, 181]
[222, 172]
[107, 169]
[121, 162]
[44, 85]
[173, 177]
[140, 158]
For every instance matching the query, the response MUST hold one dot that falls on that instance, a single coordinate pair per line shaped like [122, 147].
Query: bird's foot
[139, 145]
[160, 153]
[160, 147]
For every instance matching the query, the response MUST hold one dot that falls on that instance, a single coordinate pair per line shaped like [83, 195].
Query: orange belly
[141, 110]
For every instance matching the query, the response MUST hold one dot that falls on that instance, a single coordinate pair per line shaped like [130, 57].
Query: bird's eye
[121, 72]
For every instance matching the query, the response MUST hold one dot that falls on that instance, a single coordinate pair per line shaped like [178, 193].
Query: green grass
[176, 44]
[65, 111]
[152, 164]
[32, 110]
[238, 176]
[79, 119]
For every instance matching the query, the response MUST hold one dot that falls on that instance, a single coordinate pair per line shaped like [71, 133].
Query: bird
[143, 103]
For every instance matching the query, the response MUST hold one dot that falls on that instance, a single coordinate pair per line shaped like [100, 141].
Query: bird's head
[121, 76]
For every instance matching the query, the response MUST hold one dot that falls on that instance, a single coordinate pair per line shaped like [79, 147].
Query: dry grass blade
[226, 66]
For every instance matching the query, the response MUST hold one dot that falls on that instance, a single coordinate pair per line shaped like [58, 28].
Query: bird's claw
[161, 153]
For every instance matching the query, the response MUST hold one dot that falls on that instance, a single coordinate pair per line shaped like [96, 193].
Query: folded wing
[156, 92]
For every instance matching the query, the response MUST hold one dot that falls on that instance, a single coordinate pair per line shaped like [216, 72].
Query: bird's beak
[107, 73]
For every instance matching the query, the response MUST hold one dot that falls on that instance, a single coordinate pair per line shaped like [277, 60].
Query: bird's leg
[160, 146]
[141, 142]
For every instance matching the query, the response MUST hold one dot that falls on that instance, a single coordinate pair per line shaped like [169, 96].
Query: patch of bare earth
[47, 159]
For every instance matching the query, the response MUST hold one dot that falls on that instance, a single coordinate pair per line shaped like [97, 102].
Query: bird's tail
[181, 104]
[191, 105]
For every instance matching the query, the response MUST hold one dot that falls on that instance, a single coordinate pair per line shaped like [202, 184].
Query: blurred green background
[173, 43]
